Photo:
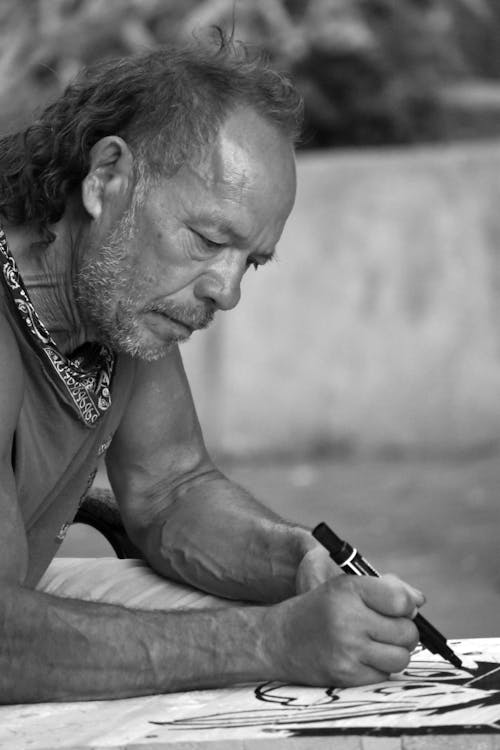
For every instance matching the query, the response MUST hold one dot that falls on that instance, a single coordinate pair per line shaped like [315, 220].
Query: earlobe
[109, 175]
[92, 195]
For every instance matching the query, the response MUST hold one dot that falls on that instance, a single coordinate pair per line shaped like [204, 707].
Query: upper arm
[13, 544]
[158, 444]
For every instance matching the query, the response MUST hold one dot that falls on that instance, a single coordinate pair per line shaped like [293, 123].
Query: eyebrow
[216, 221]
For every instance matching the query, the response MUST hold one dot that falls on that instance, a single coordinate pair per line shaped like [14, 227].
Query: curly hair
[167, 104]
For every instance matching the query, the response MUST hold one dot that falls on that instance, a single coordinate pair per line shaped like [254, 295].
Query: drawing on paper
[430, 695]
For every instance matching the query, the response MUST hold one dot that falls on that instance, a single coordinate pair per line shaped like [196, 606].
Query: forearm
[217, 537]
[63, 649]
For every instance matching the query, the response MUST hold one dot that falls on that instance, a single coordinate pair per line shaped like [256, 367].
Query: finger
[418, 595]
[386, 658]
[390, 596]
[398, 631]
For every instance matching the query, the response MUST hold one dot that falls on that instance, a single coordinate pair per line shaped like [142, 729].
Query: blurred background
[358, 382]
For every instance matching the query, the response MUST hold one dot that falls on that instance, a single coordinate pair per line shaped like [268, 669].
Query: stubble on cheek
[114, 292]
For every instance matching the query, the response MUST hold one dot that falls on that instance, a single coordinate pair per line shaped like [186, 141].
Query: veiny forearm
[63, 649]
[217, 537]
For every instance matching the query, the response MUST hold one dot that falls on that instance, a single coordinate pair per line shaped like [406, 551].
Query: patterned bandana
[86, 377]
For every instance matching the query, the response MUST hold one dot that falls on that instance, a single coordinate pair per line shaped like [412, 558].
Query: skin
[183, 254]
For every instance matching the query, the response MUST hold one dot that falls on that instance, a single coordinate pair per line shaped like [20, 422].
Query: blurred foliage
[371, 71]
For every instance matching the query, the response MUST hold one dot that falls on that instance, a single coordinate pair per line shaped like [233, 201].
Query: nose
[221, 283]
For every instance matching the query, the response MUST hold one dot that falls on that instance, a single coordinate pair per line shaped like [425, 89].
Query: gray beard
[109, 290]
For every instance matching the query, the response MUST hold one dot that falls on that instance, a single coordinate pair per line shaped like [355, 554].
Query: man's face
[168, 265]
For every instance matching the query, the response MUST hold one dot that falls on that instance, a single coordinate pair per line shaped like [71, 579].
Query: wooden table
[431, 705]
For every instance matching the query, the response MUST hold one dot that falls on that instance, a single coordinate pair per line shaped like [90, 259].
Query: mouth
[164, 324]
[177, 322]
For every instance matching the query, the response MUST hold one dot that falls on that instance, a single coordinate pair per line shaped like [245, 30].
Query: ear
[109, 178]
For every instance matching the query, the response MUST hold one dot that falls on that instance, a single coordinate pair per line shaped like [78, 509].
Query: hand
[348, 631]
[315, 568]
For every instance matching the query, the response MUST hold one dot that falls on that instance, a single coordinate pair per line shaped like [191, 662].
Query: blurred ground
[434, 523]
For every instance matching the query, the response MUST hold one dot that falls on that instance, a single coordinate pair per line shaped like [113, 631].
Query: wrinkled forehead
[251, 157]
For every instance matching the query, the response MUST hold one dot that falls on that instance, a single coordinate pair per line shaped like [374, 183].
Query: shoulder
[160, 410]
[10, 361]
[160, 377]
[11, 379]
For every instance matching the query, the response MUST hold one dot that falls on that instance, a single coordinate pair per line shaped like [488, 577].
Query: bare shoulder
[160, 427]
[13, 543]
[11, 383]
[161, 385]
[168, 367]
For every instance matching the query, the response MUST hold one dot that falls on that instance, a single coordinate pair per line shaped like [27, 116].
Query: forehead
[245, 177]
[250, 152]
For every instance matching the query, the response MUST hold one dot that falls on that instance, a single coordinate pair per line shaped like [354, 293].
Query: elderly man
[131, 210]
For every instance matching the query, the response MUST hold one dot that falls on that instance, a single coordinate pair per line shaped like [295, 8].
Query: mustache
[192, 317]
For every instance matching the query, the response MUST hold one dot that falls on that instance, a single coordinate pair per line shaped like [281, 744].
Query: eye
[209, 244]
[253, 263]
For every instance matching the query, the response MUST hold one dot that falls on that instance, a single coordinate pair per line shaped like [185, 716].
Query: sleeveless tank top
[70, 410]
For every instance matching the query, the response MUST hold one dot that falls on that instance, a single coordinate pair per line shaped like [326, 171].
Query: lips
[177, 322]
[166, 327]
[167, 315]
[191, 319]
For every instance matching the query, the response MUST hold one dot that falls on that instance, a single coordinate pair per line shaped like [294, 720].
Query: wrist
[301, 542]
[305, 541]
[290, 545]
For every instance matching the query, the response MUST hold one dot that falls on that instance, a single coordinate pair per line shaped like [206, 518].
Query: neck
[48, 274]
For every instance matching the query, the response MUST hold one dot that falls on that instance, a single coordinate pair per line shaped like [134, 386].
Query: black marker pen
[351, 562]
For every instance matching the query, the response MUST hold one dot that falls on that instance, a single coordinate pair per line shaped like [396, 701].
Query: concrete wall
[379, 326]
